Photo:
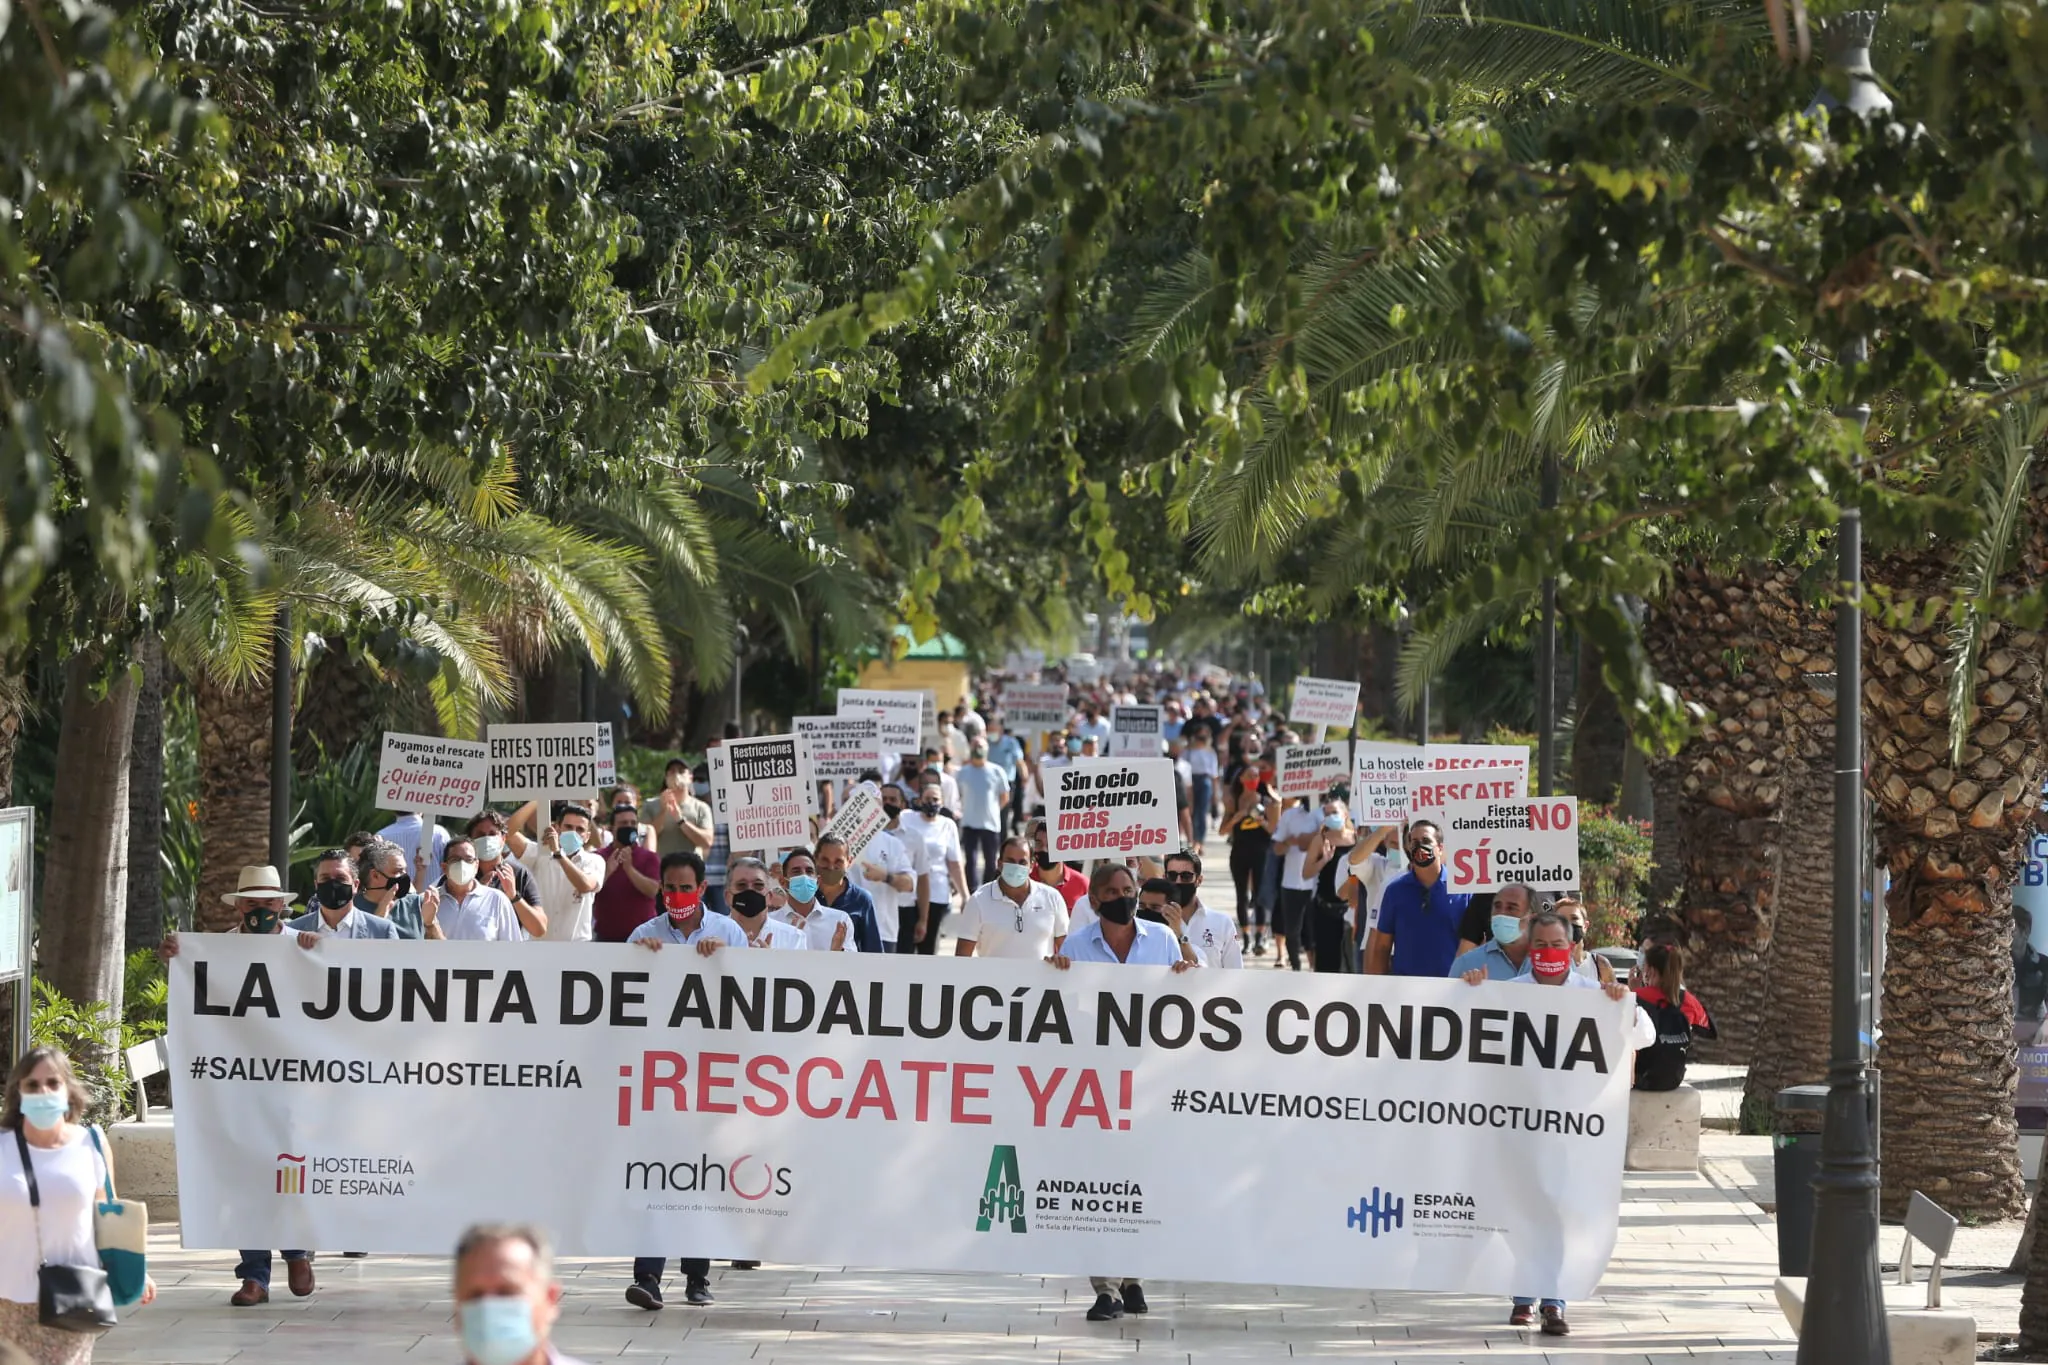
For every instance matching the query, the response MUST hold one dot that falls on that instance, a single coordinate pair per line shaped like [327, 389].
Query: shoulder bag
[120, 1227]
[70, 1298]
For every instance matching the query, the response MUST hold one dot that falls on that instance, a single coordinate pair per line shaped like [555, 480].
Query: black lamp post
[1844, 1322]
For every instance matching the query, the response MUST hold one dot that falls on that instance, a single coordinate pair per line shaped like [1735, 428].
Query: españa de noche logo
[348, 1177]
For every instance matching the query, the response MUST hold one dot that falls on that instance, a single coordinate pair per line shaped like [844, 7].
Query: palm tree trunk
[1790, 1046]
[145, 919]
[85, 871]
[1952, 837]
[234, 792]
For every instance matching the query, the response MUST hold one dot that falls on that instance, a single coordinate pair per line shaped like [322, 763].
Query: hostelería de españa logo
[1002, 1194]
[291, 1173]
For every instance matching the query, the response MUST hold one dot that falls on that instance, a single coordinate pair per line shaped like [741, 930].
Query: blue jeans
[256, 1265]
[1201, 793]
[1521, 1302]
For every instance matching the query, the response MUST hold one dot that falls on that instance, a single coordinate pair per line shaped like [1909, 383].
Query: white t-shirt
[1372, 876]
[1214, 936]
[999, 927]
[819, 927]
[569, 914]
[484, 915]
[893, 856]
[405, 831]
[1201, 760]
[776, 934]
[67, 1181]
[1296, 820]
[941, 847]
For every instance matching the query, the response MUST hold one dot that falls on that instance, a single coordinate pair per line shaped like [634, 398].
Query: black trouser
[650, 1267]
[1247, 864]
[1287, 920]
[980, 849]
[1329, 935]
[906, 931]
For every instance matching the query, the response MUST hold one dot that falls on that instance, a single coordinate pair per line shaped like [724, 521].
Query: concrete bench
[1919, 1335]
[146, 1163]
[1663, 1130]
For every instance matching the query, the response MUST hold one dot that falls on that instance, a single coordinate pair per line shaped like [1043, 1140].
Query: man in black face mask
[334, 895]
[387, 891]
[945, 878]
[1213, 933]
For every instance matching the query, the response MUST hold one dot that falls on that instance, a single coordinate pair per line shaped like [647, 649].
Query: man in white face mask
[464, 907]
[498, 868]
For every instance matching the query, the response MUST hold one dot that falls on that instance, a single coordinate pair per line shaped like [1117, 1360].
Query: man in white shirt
[822, 926]
[1093, 726]
[1118, 936]
[464, 909]
[749, 883]
[566, 870]
[1014, 915]
[681, 916]
[946, 879]
[1211, 933]
[1298, 824]
[889, 869]
[425, 846]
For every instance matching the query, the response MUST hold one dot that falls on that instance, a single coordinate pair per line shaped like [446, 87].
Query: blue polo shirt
[1491, 958]
[858, 906]
[1423, 921]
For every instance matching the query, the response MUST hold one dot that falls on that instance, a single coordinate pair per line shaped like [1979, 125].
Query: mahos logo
[747, 1177]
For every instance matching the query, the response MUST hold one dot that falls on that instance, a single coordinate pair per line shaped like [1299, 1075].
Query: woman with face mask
[1254, 812]
[1323, 864]
[43, 1137]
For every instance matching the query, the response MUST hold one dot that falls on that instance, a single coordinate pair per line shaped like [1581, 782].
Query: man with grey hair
[386, 890]
[506, 1298]
[1506, 947]
[334, 896]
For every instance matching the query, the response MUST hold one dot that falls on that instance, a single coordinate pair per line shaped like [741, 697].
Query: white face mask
[461, 872]
[489, 847]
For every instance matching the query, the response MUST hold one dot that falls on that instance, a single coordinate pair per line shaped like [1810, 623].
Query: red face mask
[681, 903]
[1551, 961]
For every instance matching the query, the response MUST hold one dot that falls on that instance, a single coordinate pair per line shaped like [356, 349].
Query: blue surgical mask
[1507, 929]
[498, 1330]
[44, 1109]
[1016, 874]
[1073, 746]
[803, 888]
[571, 842]
[1333, 821]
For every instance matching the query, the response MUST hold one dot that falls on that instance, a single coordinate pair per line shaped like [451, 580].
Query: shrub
[86, 1032]
[1614, 863]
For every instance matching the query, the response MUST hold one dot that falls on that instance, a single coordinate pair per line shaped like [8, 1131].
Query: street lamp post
[1844, 1322]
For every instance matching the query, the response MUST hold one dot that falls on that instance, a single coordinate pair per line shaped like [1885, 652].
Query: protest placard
[900, 714]
[1435, 790]
[842, 746]
[860, 817]
[568, 761]
[1103, 807]
[1489, 844]
[1311, 769]
[432, 776]
[764, 791]
[1324, 701]
[1135, 730]
[1034, 708]
[1458, 757]
[1379, 780]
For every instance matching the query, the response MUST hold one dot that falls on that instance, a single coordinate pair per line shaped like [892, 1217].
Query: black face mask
[749, 903]
[928, 807]
[1421, 856]
[334, 893]
[1578, 932]
[1156, 916]
[1118, 909]
[397, 886]
[260, 921]
[895, 813]
[1183, 894]
[1041, 860]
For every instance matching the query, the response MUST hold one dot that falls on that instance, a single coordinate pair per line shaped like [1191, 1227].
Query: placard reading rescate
[1113, 807]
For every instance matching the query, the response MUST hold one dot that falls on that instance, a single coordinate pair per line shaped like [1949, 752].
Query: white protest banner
[764, 791]
[892, 1112]
[928, 722]
[1311, 769]
[432, 776]
[1460, 757]
[1379, 780]
[1113, 806]
[901, 715]
[557, 761]
[842, 746]
[1034, 708]
[1533, 841]
[1135, 731]
[858, 820]
[1324, 701]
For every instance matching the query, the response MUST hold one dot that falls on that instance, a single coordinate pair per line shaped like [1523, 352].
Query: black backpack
[1661, 1066]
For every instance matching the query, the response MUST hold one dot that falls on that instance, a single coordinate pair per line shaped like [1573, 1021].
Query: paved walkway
[1691, 1280]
